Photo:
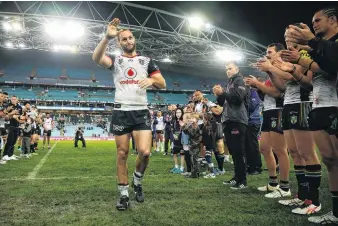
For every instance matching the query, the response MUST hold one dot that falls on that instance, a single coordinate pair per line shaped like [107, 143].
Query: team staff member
[235, 118]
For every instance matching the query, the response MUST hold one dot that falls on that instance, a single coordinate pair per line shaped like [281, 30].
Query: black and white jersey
[128, 72]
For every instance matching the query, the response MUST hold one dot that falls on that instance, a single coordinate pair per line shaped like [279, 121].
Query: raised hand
[112, 29]
[217, 90]
[251, 81]
[284, 66]
[299, 35]
[292, 55]
[263, 65]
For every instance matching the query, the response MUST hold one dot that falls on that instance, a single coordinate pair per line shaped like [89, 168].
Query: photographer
[79, 136]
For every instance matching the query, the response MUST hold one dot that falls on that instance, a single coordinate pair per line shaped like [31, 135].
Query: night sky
[263, 22]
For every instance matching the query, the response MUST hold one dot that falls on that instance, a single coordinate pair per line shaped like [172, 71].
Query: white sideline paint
[35, 171]
[65, 178]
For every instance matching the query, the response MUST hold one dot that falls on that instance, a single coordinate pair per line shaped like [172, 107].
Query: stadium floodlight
[167, 60]
[196, 22]
[7, 26]
[68, 30]
[229, 55]
[9, 44]
[22, 45]
[16, 26]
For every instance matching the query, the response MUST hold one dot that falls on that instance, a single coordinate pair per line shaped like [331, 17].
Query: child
[178, 148]
[192, 129]
[26, 137]
[209, 141]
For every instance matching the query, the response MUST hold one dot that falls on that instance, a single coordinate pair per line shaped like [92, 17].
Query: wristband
[293, 69]
[298, 59]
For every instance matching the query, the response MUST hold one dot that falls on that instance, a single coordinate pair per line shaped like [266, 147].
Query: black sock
[273, 181]
[220, 160]
[284, 185]
[313, 175]
[303, 186]
[335, 203]
[32, 148]
[35, 145]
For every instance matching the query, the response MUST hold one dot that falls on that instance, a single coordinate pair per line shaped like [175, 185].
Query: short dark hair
[26, 102]
[329, 11]
[5, 93]
[278, 46]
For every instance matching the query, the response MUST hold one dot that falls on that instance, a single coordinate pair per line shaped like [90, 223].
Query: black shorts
[124, 122]
[47, 132]
[159, 131]
[295, 116]
[178, 150]
[324, 119]
[37, 131]
[219, 131]
[272, 121]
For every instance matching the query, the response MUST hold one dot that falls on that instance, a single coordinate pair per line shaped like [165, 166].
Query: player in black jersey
[324, 116]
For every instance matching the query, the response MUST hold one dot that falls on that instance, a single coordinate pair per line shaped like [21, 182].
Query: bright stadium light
[228, 55]
[16, 26]
[7, 26]
[22, 45]
[9, 45]
[167, 60]
[69, 30]
[196, 22]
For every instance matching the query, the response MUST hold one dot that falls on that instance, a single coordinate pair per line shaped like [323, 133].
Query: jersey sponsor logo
[130, 73]
[235, 131]
[118, 128]
[129, 82]
[141, 61]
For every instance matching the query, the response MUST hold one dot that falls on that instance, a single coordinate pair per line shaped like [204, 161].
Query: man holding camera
[79, 136]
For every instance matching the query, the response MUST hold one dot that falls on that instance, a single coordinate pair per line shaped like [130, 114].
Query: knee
[122, 154]
[144, 153]
[294, 153]
[264, 150]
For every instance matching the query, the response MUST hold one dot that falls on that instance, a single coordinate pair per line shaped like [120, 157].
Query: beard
[127, 50]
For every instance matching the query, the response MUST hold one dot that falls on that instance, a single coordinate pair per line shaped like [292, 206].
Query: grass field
[69, 186]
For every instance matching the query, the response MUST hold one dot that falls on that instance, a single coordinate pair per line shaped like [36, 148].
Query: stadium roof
[79, 26]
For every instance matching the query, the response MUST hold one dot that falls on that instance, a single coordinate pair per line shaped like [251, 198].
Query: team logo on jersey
[130, 73]
[334, 124]
[273, 124]
[141, 61]
[293, 119]
[130, 60]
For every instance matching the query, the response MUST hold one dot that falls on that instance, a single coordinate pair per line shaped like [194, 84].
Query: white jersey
[324, 92]
[47, 124]
[127, 74]
[199, 109]
[294, 94]
[160, 123]
[270, 103]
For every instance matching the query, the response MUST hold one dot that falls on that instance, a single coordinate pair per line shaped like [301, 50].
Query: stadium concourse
[172, 102]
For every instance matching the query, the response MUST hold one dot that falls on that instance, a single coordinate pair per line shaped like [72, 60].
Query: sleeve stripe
[154, 72]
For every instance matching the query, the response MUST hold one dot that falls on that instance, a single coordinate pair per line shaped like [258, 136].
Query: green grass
[78, 187]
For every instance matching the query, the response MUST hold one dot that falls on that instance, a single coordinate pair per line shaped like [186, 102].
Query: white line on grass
[64, 178]
[32, 175]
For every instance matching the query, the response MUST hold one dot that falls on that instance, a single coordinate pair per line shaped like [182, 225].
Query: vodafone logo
[130, 73]
[130, 82]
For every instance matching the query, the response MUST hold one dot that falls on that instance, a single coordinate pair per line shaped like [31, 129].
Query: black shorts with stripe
[324, 119]
[272, 121]
[295, 116]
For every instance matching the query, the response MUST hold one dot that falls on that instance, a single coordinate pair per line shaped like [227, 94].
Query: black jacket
[235, 96]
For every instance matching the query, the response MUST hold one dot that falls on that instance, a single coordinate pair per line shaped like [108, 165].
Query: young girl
[192, 129]
[178, 148]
